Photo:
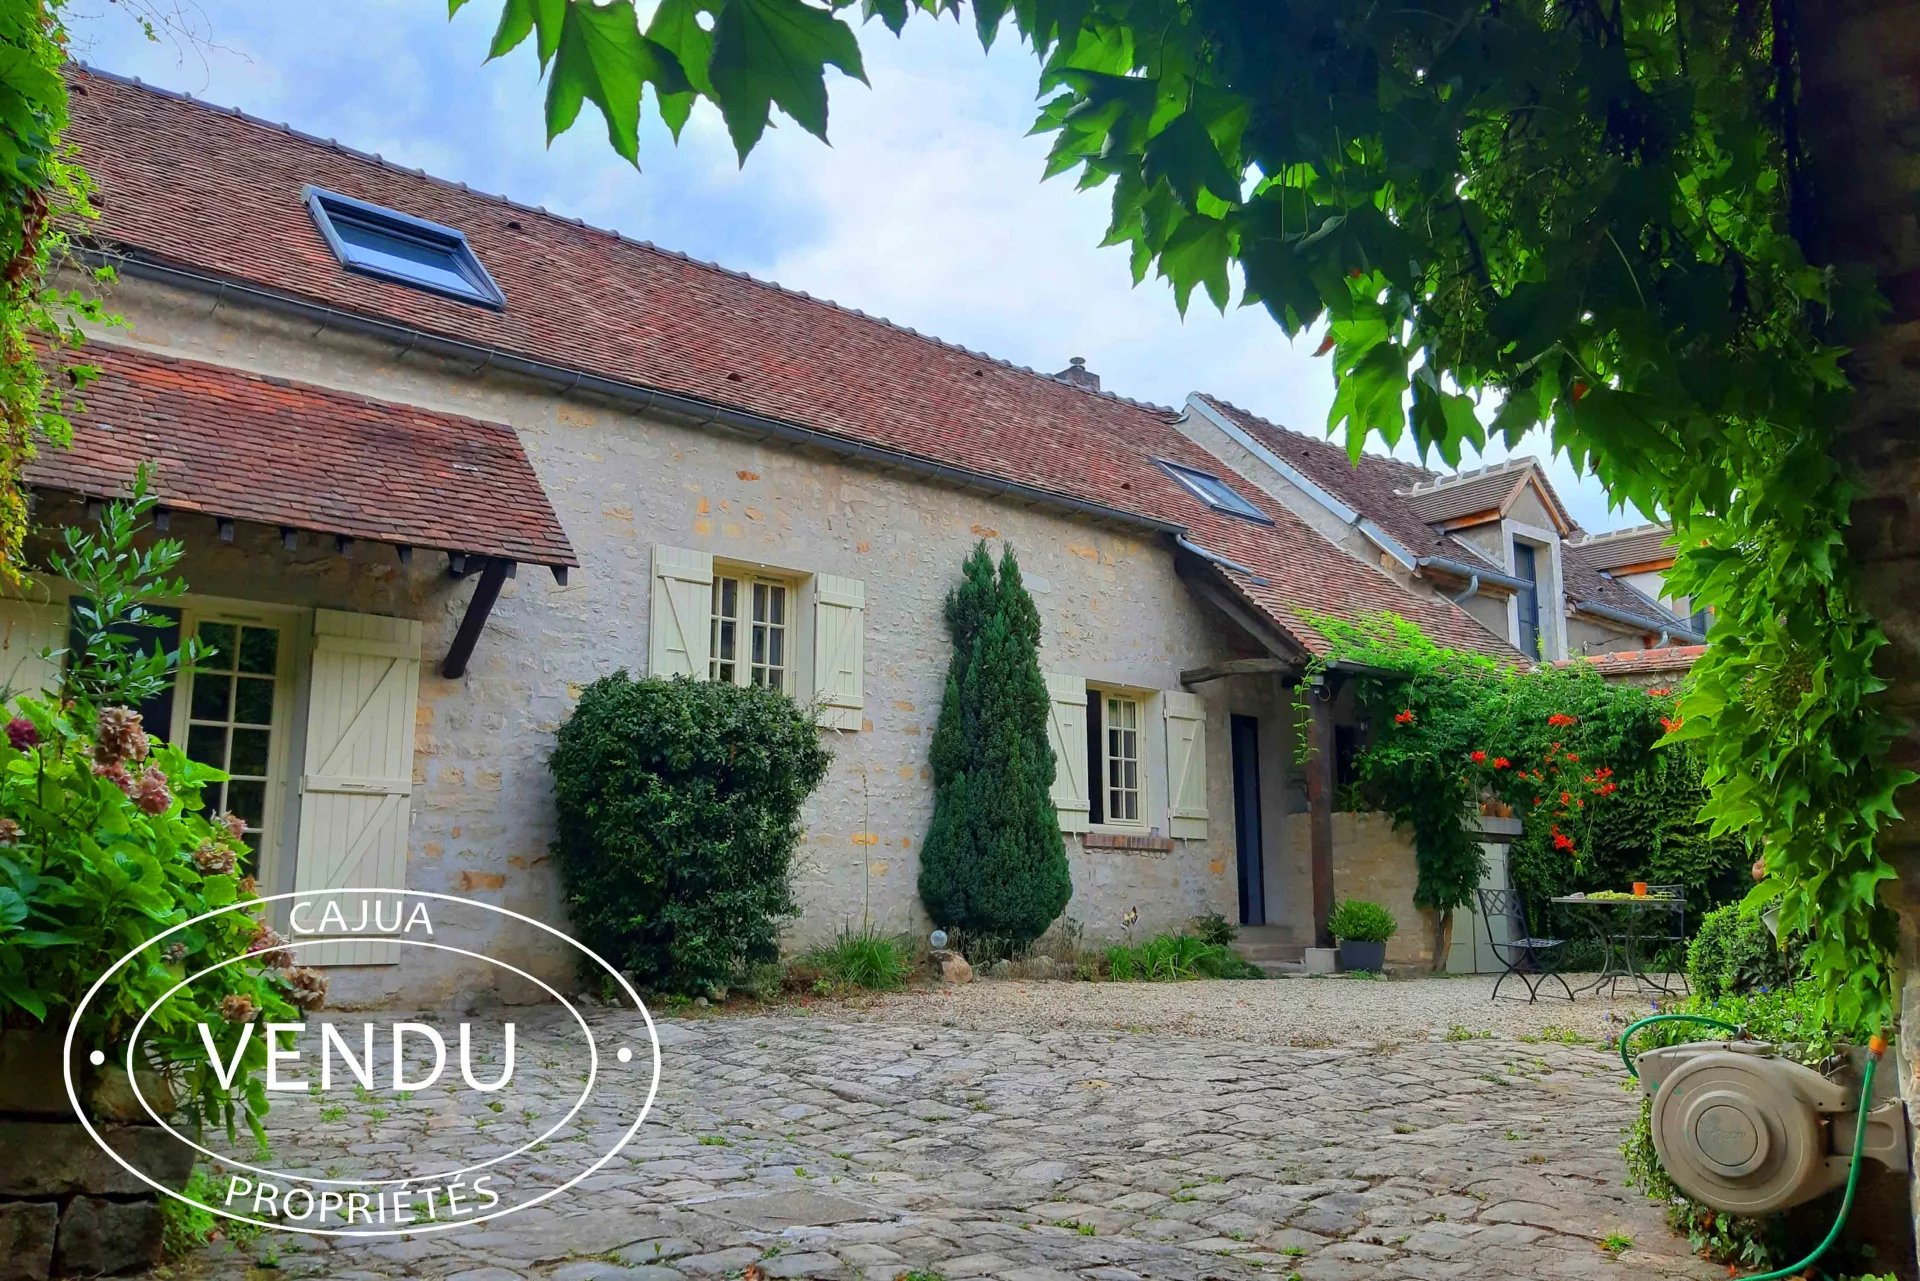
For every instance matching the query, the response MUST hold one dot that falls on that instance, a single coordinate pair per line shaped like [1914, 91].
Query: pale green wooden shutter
[356, 788]
[1186, 719]
[28, 629]
[677, 627]
[839, 650]
[1067, 735]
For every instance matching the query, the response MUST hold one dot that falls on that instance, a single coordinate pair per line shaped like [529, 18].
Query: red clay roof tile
[248, 447]
[219, 193]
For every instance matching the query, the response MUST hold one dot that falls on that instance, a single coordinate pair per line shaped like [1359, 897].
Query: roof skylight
[390, 245]
[1214, 492]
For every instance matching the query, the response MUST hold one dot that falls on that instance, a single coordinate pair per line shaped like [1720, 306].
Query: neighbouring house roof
[1487, 492]
[1648, 547]
[1408, 503]
[189, 191]
[1370, 485]
[1666, 660]
[241, 446]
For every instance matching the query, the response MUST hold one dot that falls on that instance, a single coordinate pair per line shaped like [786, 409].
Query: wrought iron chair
[1532, 960]
[1672, 933]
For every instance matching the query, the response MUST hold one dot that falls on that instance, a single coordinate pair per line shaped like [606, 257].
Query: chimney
[1079, 375]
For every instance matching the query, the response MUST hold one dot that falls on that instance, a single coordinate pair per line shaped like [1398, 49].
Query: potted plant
[1362, 929]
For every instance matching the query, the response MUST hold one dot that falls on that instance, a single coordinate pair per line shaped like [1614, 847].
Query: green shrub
[678, 809]
[1355, 920]
[1169, 958]
[863, 958]
[1734, 952]
[1214, 928]
[993, 866]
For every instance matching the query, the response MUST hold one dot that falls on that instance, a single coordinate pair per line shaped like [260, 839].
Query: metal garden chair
[1532, 960]
[1674, 934]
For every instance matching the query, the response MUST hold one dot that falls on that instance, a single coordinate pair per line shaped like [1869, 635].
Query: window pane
[253, 705]
[430, 264]
[217, 637]
[250, 748]
[759, 646]
[208, 745]
[777, 605]
[777, 648]
[259, 650]
[249, 801]
[212, 694]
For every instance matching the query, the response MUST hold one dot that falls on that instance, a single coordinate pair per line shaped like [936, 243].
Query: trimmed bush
[1734, 953]
[678, 811]
[994, 866]
[1355, 920]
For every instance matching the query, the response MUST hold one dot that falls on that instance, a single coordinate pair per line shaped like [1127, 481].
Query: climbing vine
[1565, 751]
[43, 193]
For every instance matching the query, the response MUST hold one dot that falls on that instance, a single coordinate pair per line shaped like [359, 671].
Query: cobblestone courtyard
[834, 1145]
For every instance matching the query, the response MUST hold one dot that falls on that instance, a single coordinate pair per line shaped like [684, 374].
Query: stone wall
[1112, 606]
[1373, 861]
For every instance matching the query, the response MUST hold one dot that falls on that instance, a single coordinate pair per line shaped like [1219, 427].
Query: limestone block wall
[1373, 861]
[1112, 606]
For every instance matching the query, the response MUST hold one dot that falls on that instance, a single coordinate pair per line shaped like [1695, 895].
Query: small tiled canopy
[243, 447]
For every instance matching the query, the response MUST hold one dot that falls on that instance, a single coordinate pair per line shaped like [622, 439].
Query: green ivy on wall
[43, 193]
[1586, 765]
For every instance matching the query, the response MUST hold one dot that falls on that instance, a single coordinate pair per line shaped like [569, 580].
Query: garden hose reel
[1747, 1131]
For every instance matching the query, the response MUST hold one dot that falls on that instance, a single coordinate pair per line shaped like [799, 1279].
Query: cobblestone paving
[825, 1147]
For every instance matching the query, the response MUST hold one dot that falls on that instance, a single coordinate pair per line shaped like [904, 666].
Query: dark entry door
[1246, 819]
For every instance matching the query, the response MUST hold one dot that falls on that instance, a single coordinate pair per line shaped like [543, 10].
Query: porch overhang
[357, 474]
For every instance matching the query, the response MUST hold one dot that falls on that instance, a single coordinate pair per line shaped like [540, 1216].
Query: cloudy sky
[927, 208]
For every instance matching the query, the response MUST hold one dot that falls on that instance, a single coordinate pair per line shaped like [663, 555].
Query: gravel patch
[1299, 1011]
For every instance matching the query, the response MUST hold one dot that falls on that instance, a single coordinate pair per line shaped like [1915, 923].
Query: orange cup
[1639, 889]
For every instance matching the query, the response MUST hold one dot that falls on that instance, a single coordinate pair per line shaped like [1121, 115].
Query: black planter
[1355, 955]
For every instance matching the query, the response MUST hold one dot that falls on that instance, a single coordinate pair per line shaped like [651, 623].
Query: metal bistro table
[1617, 922]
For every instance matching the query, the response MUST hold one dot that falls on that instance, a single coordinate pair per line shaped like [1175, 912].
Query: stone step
[1259, 943]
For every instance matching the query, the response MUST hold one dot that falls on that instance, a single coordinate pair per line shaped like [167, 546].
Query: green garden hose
[1626, 1037]
[1875, 1048]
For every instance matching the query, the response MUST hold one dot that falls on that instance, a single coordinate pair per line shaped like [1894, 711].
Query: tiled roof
[1488, 489]
[246, 447]
[1370, 485]
[1400, 498]
[217, 193]
[1641, 662]
[1640, 545]
[1587, 583]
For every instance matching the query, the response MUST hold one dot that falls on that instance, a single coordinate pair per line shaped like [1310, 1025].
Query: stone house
[439, 460]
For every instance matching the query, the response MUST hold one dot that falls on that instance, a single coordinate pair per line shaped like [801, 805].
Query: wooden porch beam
[485, 593]
[1235, 667]
[1320, 781]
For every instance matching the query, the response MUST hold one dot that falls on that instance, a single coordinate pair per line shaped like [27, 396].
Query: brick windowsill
[1137, 844]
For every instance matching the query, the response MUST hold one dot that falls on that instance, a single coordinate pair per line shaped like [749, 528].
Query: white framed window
[230, 714]
[749, 640]
[231, 709]
[1114, 758]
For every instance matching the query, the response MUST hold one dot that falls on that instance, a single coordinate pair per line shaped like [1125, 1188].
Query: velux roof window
[399, 247]
[1214, 492]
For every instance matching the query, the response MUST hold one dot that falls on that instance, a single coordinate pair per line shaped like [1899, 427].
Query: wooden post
[1320, 780]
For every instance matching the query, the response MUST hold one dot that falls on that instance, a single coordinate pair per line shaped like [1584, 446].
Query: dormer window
[1214, 492]
[390, 245]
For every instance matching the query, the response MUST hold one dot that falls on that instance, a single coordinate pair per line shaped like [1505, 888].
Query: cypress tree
[993, 864]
